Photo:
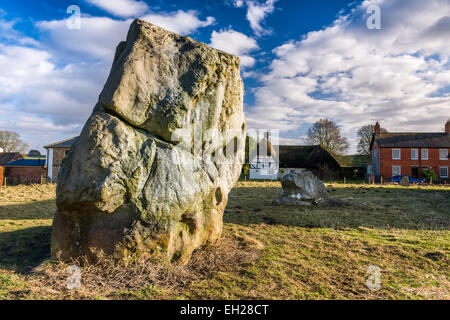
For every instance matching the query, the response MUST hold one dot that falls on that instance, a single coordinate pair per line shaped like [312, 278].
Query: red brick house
[409, 153]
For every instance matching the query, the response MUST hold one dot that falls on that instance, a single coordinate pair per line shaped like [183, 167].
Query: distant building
[409, 153]
[55, 155]
[354, 166]
[312, 158]
[322, 163]
[263, 160]
[25, 171]
[6, 157]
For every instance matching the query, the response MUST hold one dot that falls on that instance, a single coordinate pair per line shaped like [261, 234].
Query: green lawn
[267, 252]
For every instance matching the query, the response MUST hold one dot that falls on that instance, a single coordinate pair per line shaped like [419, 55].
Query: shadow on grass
[28, 211]
[371, 207]
[21, 250]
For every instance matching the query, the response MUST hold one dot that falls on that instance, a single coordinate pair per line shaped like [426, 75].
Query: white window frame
[443, 157]
[417, 154]
[440, 175]
[399, 169]
[399, 154]
[423, 155]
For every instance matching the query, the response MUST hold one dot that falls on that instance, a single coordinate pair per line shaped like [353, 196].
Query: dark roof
[353, 161]
[413, 140]
[26, 163]
[305, 157]
[6, 157]
[62, 144]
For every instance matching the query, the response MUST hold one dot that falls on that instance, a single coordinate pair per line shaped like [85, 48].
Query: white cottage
[264, 161]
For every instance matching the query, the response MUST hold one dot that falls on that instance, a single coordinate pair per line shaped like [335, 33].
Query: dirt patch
[107, 278]
[270, 221]
[334, 203]
[436, 256]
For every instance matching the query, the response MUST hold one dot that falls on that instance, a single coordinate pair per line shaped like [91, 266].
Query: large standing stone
[129, 187]
[301, 189]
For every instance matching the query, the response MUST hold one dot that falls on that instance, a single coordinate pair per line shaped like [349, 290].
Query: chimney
[447, 127]
[377, 128]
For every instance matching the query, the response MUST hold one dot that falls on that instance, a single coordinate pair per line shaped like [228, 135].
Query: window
[396, 170]
[443, 154]
[414, 154]
[424, 154]
[443, 172]
[395, 154]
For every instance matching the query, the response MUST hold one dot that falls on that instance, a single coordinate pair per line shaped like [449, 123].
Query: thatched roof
[305, 157]
[353, 161]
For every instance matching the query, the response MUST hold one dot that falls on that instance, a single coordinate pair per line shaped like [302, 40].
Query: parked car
[411, 180]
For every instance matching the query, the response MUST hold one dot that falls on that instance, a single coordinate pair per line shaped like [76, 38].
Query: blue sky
[301, 61]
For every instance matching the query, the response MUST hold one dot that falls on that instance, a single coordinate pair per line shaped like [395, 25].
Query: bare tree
[365, 134]
[10, 141]
[327, 133]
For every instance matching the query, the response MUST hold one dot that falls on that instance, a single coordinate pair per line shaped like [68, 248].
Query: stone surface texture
[154, 164]
[301, 188]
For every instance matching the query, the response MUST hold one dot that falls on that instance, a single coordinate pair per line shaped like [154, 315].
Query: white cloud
[97, 37]
[7, 33]
[182, 22]
[238, 3]
[399, 74]
[49, 87]
[235, 43]
[257, 11]
[66, 94]
[40, 101]
[121, 8]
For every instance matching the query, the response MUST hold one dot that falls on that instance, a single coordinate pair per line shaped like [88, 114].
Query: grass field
[267, 252]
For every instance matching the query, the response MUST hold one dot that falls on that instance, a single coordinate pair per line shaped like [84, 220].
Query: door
[415, 172]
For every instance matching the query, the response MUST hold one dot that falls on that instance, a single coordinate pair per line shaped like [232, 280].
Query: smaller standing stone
[405, 181]
[301, 189]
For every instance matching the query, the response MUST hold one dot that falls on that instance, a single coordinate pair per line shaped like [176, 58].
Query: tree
[365, 134]
[429, 175]
[34, 153]
[327, 133]
[10, 141]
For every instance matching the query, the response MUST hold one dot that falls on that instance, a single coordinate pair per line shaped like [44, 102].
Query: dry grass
[110, 280]
[267, 252]
[27, 202]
